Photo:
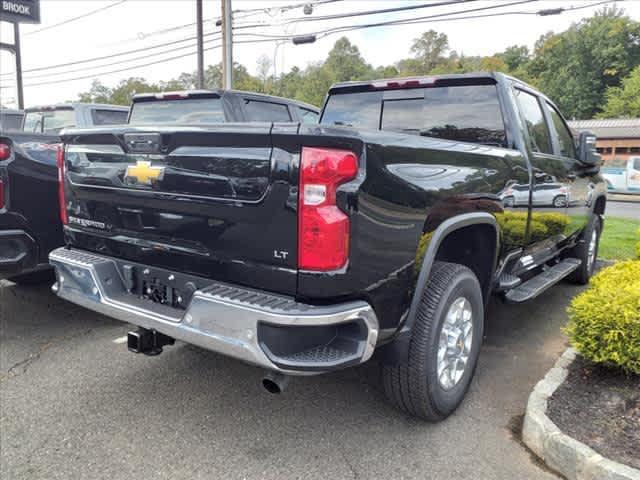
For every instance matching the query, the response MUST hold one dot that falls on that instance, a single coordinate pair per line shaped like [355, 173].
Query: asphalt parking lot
[75, 404]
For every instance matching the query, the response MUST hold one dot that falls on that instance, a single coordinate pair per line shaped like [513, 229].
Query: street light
[297, 40]
[302, 39]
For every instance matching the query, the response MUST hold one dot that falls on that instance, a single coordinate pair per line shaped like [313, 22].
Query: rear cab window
[467, 113]
[184, 111]
[50, 121]
[104, 116]
[263, 111]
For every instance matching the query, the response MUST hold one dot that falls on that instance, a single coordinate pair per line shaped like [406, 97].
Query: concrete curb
[573, 459]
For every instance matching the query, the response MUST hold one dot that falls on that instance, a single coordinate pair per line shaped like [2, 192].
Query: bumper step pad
[269, 330]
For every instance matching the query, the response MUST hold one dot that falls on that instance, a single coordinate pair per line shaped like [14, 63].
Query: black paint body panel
[407, 186]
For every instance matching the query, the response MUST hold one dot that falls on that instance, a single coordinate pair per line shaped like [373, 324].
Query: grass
[619, 238]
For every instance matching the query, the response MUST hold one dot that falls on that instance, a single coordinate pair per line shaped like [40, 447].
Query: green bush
[604, 321]
[638, 246]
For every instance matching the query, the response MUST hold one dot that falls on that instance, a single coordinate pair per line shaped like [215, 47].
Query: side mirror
[587, 153]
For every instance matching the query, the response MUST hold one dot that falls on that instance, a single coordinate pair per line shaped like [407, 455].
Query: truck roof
[417, 81]
[76, 105]
[219, 92]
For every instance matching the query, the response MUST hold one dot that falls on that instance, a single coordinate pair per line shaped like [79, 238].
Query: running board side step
[538, 284]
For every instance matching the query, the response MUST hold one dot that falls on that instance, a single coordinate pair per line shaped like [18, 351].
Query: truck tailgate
[216, 202]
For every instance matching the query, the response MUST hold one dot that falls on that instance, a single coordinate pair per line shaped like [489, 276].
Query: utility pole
[200, 82]
[15, 49]
[227, 46]
[18, 55]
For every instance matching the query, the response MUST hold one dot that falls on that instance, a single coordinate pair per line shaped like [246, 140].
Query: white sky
[124, 26]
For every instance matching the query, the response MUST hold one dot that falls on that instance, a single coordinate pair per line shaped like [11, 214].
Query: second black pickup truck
[308, 248]
[29, 215]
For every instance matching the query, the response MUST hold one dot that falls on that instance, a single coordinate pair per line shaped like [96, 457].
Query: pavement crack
[21, 367]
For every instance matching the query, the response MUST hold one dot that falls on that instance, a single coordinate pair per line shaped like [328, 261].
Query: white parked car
[553, 194]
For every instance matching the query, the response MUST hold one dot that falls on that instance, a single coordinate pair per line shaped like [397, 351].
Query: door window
[535, 123]
[307, 116]
[565, 139]
[258, 111]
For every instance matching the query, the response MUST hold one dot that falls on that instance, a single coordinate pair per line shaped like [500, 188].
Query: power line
[353, 14]
[427, 19]
[136, 50]
[366, 12]
[119, 62]
[114, 55]
[285, 8]
[401, 21]
[73, 19]
[135, 67]
[444, 17]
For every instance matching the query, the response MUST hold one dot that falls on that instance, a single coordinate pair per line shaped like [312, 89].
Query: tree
[98, 93]
[576, 67]
[126, 89]
[515, 56]
[429, 49]
[624, 101]
[264, 65]
[345, 62]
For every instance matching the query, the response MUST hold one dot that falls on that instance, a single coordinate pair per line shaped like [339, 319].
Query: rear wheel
[587, 251]
[444, 345]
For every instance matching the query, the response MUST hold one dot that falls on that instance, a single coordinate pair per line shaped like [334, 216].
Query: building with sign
[617, 138]
[20, 11]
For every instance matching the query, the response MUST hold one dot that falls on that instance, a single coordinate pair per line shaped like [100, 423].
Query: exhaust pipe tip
[275, 383]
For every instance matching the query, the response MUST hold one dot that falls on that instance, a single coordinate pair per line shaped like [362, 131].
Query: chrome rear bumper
[271, 331]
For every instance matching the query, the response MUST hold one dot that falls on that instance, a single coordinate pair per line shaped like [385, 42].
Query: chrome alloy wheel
[591, 252]
[454, 346]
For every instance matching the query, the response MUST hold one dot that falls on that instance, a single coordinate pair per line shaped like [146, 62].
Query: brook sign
[20, 11]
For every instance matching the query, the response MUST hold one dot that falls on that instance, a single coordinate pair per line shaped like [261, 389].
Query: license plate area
[154, 290]
[159, 286]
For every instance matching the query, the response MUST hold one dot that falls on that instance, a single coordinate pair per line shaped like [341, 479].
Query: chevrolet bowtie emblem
[142, 173]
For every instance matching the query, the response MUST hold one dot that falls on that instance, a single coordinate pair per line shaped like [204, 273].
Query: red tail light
[323, 229]
[61, 199]
[5, 151]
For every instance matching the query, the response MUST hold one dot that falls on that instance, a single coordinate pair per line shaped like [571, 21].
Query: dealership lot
[75, 404]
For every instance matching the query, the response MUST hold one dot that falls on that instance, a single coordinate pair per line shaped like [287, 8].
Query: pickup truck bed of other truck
[307, 248]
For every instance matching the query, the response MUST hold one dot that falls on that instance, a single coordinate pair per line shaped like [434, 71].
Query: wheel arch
[443, 246]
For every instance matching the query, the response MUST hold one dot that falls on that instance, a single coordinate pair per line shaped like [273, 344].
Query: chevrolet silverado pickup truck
[29, 215]
[29, 222]
[303, 248]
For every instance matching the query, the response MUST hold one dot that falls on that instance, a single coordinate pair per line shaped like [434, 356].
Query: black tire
[34, 278]
[414, 387]
[583, 273]
[559, 201]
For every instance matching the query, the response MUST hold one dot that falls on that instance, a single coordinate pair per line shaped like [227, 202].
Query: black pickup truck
[29, 221]
[308, 248]
[29, 214]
